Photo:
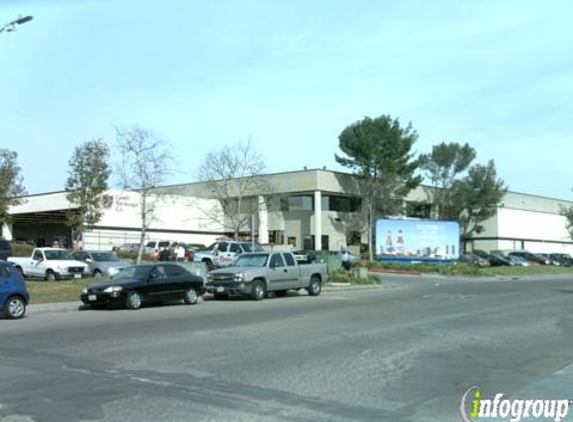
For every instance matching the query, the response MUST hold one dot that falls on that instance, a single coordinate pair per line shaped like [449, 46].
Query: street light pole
[11, 26]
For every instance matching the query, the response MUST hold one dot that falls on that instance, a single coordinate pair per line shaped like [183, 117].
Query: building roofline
[309, 170]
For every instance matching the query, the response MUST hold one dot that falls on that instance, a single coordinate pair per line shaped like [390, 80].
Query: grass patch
[58, 291]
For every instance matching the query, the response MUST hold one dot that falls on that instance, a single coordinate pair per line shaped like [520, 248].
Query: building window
[418, 210]
[276, 237]
[297, 203]
[341, 203]
[291, 240]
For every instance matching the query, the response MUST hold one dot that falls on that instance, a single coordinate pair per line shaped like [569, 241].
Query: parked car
[50, 264]
[304, 257]
[255, 274]
[548, 259]
[14, 296]
[222, 254]
[129, 247]
[155, 246]
[137, 285]
[498, 260]
[517, 260]
[101, 263]
[531, 257]
[564, 259]
[472, 259]
[5, 249]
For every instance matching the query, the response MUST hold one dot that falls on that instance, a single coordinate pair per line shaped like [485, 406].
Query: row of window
[328, 203]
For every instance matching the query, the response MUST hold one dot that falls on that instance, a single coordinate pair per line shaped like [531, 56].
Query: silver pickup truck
[257, 273]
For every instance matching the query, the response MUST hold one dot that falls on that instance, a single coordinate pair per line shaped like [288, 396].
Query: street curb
[384, 271]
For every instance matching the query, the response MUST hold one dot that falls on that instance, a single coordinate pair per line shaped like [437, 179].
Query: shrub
[342, 276]
[21, 250]
[444, 269]
[131, 256]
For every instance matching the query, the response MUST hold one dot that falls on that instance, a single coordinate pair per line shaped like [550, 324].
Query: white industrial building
[308, 209]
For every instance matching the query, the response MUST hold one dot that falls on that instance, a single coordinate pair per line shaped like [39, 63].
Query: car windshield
[255, 260]
[59, 255]
[104, 256]
[134, 272]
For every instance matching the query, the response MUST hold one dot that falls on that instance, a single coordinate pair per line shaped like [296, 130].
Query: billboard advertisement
[417, 239]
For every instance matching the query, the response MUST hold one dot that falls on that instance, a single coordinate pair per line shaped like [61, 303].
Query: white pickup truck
[255, 274]
[50, 264]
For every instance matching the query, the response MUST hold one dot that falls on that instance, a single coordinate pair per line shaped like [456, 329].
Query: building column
[7, 231]
[263, 221]
[317, 220]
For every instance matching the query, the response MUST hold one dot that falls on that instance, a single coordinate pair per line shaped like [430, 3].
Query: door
[278, 275]
[36, 266]
[157, 288]
[177, 282]
[293, 271]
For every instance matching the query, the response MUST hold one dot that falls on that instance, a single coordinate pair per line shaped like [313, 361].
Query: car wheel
[50, 275]
[221, 296]
[280, 293]
[191, 297]
[134, 300]
[258, 291]
[314, 286]
[98, 274]
[14, 308]
[209, 264]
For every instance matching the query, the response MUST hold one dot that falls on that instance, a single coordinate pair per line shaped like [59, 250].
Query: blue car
[14, 296]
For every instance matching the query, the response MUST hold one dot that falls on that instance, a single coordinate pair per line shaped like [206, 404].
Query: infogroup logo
[474, 407]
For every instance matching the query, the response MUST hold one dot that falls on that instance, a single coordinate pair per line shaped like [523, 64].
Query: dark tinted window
[235, 248]
[174, 270]
[223, 247]
[4, 244]
[159, 272]
[289, 259]
[277, 261]
[37, 255]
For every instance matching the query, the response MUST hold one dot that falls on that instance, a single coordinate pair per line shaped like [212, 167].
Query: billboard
[417, 238]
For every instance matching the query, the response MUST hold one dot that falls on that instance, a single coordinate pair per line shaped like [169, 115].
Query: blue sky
[292, 75]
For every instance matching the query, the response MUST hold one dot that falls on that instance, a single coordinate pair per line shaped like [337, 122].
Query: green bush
[444, 269]
[342, 276]
[21, 250]
[131, 256]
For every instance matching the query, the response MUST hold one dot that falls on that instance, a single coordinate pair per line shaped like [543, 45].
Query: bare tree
[233, 177]
[145, 164]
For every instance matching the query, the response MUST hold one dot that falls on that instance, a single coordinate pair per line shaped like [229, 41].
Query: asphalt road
[404, 351]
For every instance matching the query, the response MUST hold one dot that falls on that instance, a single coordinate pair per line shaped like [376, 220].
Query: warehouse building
[307, 209]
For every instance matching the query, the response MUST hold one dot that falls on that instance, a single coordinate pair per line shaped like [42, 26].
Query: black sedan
[139, 284]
